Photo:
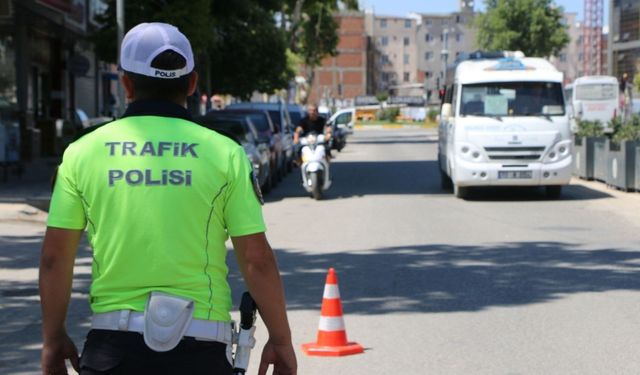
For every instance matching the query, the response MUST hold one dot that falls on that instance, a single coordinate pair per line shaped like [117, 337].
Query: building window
[445, 22]
[406, 41]
[407, 24]
[563, 57]
[459, 18]
[406, 59]
[428, 38]
[428, 74]
[459, 38]
[428, 56]
[384, 40]
[407, 77]
[385, 77]
[580, 56]
[428, 22]
[383, 23]
[384, 60]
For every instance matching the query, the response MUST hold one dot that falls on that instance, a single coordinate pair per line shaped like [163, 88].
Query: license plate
[514, 174]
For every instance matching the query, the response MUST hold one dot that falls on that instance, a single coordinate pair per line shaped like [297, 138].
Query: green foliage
[382, 96]
[192, 17]
[532, 26]
[615, 124]
[250, 53]
[629, 131]
[238, 46]
[313, 30]
[590, 129]
[388, 114]
[432, 114]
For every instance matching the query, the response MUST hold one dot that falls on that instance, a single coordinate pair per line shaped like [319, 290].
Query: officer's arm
[260, 270]
[56, 275]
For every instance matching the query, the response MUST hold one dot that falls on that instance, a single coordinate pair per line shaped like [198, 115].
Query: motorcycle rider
[311, 123]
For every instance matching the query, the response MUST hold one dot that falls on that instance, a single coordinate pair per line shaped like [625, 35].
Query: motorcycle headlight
[471, 152]
[558, 152]
[311, 139]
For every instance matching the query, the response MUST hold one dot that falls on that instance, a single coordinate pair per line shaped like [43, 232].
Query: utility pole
[120, 27]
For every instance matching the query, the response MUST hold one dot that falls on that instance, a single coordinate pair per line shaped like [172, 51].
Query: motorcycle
[314, 168]
[338, 138]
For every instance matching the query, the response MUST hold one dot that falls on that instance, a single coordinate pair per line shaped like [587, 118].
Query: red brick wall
[352, 78]
[350, 63]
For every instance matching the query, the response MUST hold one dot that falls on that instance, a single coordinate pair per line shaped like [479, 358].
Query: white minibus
[503, 123]
[594, 98]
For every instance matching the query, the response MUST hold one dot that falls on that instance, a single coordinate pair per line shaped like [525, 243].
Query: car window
[343, 119]
[295, 117]
[276, 119]
[232, 126]
[261, 122]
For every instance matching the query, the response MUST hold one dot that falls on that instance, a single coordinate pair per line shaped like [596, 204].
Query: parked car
[266, 128]
[255, 146]
[296, 113]
[282, 121]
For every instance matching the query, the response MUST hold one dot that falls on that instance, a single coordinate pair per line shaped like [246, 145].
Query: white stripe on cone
[331, 291]
[331, 323]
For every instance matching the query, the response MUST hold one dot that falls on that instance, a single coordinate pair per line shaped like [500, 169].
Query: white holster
[244, 341]
[166, 319]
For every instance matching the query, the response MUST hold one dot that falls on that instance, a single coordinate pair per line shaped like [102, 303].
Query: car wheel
[461, 192]
[268, 184]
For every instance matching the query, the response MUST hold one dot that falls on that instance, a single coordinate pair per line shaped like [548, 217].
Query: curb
[394, 127]
[603, 188]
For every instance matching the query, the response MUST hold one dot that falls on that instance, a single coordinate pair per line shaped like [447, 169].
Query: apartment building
[343, 77]
[440, 39]
[570, 60]
[624, 37]
[394, 55]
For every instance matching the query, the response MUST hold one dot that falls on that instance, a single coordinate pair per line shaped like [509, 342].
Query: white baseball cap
[146, 41]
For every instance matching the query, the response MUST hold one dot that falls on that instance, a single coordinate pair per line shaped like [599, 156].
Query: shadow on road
[404, 279]
[20, 319]
[413, 177]
[532, 193]
[445, 278]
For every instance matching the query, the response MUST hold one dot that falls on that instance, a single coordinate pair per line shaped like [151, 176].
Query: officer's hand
[54, 353]
[283, 358]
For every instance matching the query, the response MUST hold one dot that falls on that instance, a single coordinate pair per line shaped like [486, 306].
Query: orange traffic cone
[332, 336]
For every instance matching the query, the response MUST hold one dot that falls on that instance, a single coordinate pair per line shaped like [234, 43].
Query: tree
[534, 27]
[313, 32]
[238, 47]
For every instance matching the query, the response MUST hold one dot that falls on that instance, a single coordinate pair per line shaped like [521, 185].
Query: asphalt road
[507, 282]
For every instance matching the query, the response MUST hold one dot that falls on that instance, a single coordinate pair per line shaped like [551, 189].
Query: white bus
[503, 122]
[594, 98]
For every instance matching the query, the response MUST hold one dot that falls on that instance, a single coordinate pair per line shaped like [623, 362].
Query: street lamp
[445, 53]
[120, 31]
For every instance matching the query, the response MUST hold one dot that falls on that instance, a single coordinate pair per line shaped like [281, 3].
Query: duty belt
[133, 321]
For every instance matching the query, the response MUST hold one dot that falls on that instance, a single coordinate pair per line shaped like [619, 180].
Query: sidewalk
[33, 187]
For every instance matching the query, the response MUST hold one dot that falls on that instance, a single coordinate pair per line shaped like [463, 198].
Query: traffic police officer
[158, 196]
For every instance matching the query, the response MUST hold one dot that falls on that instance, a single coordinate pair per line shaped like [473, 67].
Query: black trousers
[117, 353]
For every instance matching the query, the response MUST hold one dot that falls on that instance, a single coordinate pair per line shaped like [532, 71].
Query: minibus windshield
[596, 91]
[497, 99]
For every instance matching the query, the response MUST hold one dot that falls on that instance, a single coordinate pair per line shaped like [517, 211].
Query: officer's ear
[129, 88]
[193, 83]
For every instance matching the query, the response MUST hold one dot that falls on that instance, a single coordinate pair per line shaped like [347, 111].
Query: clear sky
[403, 7]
